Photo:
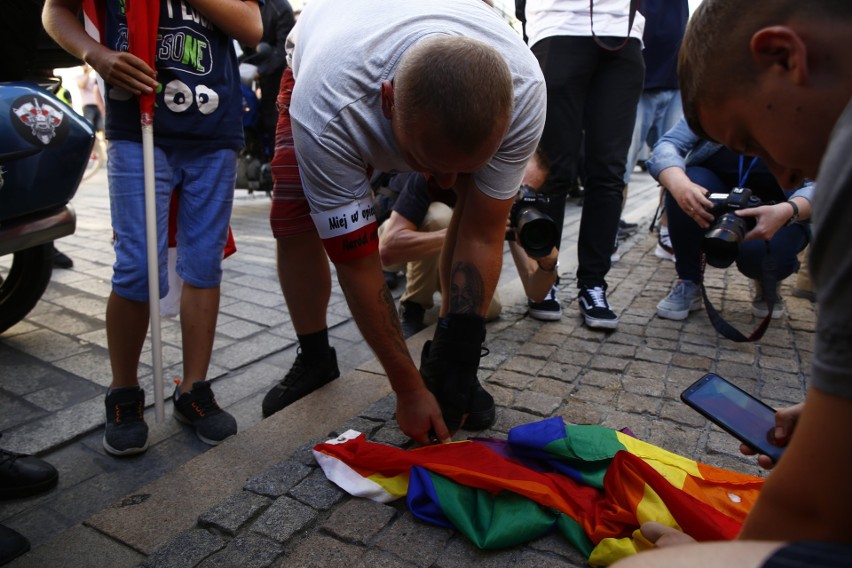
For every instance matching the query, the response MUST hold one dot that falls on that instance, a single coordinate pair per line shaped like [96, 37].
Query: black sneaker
[303, 378]
[126, 432]
[595, 309]
[22, 475]
[482, 412]
[626, 230]
[61, 260]
[411, 317]
[198, 408]
[548, 309]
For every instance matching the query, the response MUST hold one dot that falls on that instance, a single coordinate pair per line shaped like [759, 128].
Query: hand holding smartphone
[743, 416]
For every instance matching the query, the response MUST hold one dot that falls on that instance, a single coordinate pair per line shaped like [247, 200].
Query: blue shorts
[205, 182]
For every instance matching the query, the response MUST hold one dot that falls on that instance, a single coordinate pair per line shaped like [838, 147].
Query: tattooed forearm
[466, 289]
[386, 299]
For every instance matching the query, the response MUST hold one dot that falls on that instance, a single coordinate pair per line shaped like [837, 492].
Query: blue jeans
[657, 113]
[687, 236]
[205, 181]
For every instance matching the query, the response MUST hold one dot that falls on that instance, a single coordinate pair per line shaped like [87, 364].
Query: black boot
[22, 476]
[482, 412]
[12, 545]
[449, 364]
[411, 318]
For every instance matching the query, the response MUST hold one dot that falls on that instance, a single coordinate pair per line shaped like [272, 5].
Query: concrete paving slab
[174, 502]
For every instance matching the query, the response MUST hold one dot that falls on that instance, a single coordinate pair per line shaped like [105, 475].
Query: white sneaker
[664, 248]
[615, 256]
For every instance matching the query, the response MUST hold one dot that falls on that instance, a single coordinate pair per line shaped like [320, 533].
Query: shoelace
[598, 297]
[680, 289]
[203, 401]
[295, 373]
[128, 411]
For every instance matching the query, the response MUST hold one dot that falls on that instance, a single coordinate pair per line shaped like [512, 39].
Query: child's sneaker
[199, 409]
[126, 432]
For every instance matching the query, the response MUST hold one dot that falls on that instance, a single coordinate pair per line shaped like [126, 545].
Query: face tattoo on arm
[466, 289]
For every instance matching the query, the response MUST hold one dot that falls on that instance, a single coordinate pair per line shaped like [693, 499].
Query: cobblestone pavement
[282, 511]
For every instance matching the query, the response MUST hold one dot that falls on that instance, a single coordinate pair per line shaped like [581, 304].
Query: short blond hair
[715, 56]
[461, 84]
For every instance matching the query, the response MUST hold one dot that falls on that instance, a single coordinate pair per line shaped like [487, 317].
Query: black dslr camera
[722, 240]
[537, 232]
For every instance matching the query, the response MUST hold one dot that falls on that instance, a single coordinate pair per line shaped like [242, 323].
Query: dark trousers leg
[609, 116]
[593, 89]
[784, 246]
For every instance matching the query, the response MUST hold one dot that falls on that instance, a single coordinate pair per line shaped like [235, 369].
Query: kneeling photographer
[730, 207]
[533, 237]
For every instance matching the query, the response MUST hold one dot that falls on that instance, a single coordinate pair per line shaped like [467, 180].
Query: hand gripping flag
[593, 485]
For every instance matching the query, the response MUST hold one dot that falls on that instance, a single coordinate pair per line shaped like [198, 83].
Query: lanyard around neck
[743, 176]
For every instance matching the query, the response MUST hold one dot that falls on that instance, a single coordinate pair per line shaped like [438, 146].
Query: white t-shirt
[550, 18]
[341, 51]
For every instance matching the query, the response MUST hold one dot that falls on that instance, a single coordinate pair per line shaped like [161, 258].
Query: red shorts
[290, 214]
[348, 232]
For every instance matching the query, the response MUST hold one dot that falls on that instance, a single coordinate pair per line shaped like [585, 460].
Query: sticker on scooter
[39, 120]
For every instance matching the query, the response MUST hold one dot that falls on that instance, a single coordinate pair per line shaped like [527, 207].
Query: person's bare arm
[400, 241]
[731, 554]
[690, 196]
[239, 19]
[770, 218]
[375, 314]
[473, 253]
[538, 275]
[807, 496]
[117, 68]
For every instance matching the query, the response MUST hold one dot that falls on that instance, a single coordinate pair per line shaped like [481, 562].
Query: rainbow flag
[593, 485]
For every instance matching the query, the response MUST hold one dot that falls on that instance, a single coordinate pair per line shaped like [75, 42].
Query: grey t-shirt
[831, 264]
[342, 51]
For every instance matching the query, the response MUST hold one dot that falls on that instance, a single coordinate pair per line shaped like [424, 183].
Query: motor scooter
[44, 149]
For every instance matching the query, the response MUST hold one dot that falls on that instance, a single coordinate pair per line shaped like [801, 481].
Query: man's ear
[387, 99]
[781, 49]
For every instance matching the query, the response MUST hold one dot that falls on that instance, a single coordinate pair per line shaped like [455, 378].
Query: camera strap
[634, 6]
[769, 281]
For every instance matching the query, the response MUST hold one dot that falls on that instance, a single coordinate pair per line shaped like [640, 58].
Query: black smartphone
[743, 416]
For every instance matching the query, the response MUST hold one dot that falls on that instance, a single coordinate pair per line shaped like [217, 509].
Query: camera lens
[722, 241]
[537, 232]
